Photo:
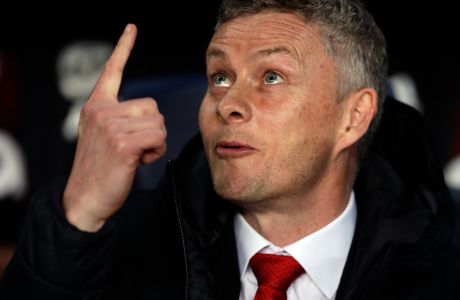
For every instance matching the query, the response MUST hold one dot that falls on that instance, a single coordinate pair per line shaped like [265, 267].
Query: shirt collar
[322, 254]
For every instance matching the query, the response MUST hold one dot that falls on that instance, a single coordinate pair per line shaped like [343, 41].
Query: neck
[283, 221]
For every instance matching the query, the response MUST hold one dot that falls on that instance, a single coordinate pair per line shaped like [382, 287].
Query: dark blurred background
[172, 38]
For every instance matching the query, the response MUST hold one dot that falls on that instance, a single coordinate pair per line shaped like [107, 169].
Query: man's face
[270, 117]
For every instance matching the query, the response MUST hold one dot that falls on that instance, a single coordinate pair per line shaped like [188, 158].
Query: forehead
[268, 29]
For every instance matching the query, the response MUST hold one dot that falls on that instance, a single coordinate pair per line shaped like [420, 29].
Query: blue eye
[273, 78]
[221, 80]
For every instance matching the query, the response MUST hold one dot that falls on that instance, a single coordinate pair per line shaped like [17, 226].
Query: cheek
[204, 115]
[205, 123]
[286, 134]
[304, 128]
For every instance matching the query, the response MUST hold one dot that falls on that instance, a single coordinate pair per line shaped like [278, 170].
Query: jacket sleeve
[54, 260]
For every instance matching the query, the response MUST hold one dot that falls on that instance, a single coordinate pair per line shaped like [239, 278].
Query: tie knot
[275, 271]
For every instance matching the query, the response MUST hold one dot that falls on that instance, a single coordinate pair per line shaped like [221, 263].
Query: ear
[359, 111]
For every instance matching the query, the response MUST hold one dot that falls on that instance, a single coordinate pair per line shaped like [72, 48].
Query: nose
[233, 107]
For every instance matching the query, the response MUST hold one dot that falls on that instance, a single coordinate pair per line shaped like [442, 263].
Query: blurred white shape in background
[452, 173]
[405, 90]
[78, 67]
[13, 179]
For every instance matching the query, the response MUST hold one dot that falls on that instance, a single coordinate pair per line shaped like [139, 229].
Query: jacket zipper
[181, 229]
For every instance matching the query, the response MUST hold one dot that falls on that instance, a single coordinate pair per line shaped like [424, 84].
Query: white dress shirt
[322, 254]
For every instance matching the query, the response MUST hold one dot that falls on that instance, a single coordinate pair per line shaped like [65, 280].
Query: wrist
[80, 216]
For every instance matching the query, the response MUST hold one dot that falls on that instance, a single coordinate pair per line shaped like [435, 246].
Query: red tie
[274, 274]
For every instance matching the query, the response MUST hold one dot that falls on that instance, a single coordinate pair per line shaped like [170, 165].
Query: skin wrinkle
[291, 180]
[278, 28]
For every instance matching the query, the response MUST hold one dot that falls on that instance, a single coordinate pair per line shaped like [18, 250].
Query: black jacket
[177, 242]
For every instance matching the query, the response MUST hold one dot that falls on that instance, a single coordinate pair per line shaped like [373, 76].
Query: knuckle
[152, 104]
[161, 135]
[99, 115]
[149, 106]
[160, 119]
[119, 144]
[142, 107]
[112, 126]
[86, 110]
[149, 103]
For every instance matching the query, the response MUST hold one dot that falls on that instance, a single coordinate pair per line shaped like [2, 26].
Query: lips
[232, 149]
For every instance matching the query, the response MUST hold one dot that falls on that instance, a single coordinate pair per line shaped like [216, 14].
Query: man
[294, 91]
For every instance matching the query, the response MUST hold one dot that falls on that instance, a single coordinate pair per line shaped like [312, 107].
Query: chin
[238, 184]
[237, 191]
[229, 192]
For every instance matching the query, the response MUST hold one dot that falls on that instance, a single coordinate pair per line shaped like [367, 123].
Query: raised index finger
[109, 81]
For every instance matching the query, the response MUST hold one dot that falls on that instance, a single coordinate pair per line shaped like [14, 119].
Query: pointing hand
[114, 139]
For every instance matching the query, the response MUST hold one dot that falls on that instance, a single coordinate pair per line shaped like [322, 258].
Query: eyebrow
[218, 53]
[215, 53]
[272, 51]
